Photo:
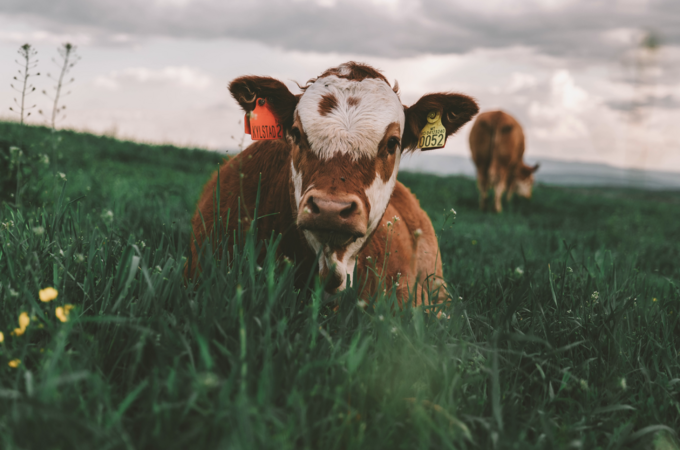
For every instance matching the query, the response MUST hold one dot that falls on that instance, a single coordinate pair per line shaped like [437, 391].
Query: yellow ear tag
[433, 134]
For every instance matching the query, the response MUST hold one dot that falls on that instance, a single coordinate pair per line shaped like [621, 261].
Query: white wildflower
[38, 231]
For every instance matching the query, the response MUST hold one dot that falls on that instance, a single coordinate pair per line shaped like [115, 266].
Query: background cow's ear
[456, 111]
[246, 90]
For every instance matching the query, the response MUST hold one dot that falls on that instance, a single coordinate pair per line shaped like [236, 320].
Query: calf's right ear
[246, 91]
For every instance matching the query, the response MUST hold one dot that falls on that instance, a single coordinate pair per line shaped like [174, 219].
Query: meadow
[563, 331]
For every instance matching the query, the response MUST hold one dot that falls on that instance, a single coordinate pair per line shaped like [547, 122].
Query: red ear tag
[246, 123]
[263, 123]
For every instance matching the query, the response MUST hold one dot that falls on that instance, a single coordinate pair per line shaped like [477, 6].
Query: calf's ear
[455, 109]
[246, 91]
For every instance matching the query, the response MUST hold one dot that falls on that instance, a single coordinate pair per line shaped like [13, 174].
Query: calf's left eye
[392, 144]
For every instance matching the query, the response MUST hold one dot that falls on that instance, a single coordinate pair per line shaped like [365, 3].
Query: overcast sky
[574, 72]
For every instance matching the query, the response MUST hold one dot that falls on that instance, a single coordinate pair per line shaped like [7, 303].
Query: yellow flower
[654, 299]
[48, 294]
[63, 312]
[2, 337]
[24, 320]
[14, 363]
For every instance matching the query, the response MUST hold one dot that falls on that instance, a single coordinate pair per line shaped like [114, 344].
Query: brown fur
[327, 104]
[355, 71]
[497, 146]
[353, 101]
[414, 261]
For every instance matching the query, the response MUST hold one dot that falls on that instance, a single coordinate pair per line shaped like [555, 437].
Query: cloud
[389, 28]
[562, 115]
[180, 76]
[650, 101]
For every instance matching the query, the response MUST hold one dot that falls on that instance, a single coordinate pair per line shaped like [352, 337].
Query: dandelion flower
[62, 313]
[48, 294]
[654, 299]
[24, 320]
[14, 363]
[2, 337]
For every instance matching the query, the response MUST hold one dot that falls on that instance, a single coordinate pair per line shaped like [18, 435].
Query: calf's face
[347, 132]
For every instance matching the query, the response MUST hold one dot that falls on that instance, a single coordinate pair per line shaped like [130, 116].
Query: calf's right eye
[392, 144]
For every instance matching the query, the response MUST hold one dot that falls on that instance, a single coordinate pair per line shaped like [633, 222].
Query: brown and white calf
[330, 185]
[497, 146]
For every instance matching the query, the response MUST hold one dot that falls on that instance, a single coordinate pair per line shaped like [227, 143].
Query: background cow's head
[347, 130]
[523, 180]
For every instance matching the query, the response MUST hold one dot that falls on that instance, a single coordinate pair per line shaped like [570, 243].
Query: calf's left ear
[455, 109]
[246, 90]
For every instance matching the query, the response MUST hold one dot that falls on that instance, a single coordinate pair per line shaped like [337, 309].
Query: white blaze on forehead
[351, 128]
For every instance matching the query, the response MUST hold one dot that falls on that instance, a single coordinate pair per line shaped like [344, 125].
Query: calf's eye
[392, 144]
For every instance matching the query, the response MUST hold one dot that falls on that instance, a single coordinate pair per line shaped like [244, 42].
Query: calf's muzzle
[334, 219]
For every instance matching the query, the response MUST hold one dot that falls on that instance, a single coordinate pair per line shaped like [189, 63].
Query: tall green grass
[566, 334]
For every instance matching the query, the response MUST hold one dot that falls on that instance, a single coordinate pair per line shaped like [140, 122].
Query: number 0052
[431, 140]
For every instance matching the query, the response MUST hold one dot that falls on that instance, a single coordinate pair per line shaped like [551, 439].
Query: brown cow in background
[497, 145]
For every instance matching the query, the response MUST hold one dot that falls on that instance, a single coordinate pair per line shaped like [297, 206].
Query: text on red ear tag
[263, 123]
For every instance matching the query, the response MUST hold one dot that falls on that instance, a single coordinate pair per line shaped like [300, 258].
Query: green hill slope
[565, 329]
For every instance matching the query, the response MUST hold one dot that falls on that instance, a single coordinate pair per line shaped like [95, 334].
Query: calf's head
[347, 131]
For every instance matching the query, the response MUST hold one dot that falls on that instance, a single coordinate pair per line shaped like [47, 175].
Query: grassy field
[565, 333]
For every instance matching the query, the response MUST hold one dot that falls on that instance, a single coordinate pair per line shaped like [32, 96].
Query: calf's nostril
[348, 211]
[313, 207]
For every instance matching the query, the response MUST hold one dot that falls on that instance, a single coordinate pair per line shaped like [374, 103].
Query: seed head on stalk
[68, 59]
[27, 63]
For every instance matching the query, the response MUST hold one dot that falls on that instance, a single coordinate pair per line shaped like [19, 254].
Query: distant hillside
[552, 172]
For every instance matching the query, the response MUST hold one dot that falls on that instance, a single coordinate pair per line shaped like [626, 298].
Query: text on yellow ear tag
[433, 134]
